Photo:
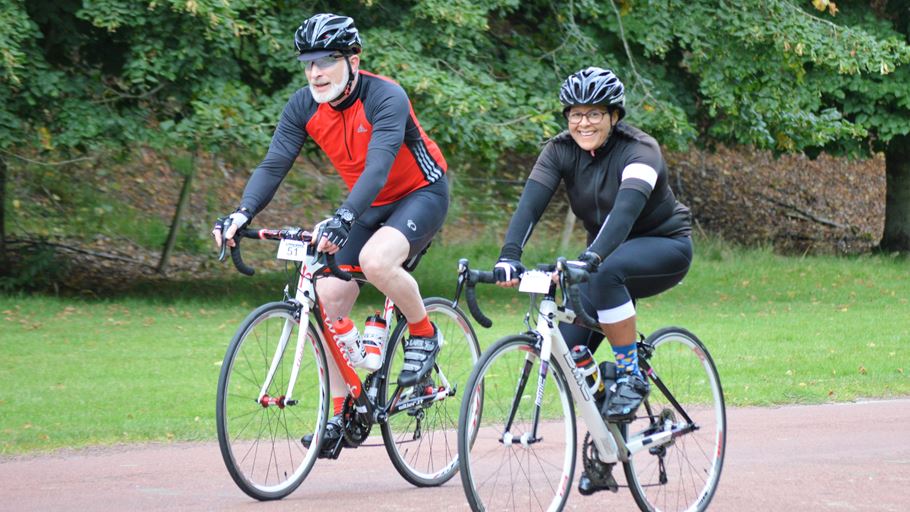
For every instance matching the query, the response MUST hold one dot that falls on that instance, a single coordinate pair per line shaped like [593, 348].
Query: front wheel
[514, 455]
[420, 438]
[683, 473]
[260, 433]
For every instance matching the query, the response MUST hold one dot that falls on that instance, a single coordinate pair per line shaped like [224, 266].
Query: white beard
[334, 91]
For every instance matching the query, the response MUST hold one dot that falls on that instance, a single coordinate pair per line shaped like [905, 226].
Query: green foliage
[37, 268]
[482, 74]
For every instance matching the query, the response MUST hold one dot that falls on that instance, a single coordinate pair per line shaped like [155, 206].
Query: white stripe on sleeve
[641, 171]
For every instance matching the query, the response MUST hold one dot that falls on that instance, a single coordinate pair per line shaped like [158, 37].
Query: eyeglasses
[325, 62]
[594, 116]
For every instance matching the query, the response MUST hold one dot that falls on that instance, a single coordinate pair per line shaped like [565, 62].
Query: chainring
[600, 473]
[355, 431]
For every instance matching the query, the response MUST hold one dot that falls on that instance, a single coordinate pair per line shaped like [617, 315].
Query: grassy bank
[144, 365]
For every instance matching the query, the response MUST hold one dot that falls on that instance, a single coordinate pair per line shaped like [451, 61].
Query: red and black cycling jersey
[372, 138]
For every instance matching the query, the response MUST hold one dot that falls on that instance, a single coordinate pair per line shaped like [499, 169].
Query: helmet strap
[350, 85]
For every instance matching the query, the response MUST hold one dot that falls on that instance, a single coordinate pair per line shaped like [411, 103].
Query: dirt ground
[833, 457]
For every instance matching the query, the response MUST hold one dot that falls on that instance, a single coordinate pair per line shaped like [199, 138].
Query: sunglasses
[325, 62]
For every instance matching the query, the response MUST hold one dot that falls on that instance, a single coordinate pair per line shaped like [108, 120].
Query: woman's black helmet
[593, 86]
[325, 34]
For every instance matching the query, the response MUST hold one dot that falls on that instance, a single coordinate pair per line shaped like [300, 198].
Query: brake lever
[224, 227]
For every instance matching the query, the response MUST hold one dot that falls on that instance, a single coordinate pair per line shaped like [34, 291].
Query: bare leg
[381, 259]
[337, 298]
[622, 333]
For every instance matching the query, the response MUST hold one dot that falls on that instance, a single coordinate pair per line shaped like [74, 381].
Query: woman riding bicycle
[638, 242]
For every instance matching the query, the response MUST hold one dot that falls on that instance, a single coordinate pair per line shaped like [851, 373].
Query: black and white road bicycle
[517, 431]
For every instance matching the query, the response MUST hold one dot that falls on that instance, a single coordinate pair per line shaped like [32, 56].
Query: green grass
[144, 365]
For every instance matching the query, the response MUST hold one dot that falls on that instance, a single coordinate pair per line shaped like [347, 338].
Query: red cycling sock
[423, 328]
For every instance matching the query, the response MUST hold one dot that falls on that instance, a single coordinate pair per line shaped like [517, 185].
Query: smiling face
[590, 125]
[328, 76]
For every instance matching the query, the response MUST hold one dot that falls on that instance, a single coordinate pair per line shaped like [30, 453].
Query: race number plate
[293, 250]
[535, 281]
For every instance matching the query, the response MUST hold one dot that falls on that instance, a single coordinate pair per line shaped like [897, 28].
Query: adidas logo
[361, 129]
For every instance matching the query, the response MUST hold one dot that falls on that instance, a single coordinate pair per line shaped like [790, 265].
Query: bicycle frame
[607, 436]
[311, 267]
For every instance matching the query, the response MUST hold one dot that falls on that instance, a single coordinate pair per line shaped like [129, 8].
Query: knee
[609, 277]
[374, 265]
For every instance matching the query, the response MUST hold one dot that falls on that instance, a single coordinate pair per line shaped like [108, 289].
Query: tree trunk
[178, 213]
[897, 203]
[4, 262]
[567, 226]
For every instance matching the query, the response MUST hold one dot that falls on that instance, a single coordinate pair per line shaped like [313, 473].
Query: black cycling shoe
[588, 486]
[419, 357]
[330, 442]
[631, 390]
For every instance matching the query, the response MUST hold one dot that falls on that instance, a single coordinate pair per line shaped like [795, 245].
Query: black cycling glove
[507, 269]
[590, 260]
[241, 217]
[338, 228]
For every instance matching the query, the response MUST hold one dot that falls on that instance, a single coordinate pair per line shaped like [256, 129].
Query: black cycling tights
[638, 268]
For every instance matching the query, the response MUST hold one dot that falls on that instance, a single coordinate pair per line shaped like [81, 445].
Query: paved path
[836, 457]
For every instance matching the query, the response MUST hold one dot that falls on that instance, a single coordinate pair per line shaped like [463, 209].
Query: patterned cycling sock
[626, 359]
[423, 328]
[337, 405]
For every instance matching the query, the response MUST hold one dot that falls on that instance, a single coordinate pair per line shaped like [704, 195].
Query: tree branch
[805, 215]
[81, 251]
[48, 164]
[625, 44]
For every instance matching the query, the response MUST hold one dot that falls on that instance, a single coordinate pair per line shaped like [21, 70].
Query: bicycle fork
[284, 400]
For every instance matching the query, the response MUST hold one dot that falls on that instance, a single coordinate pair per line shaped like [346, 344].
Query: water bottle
[374, 336]
[584, 361]
[348, 340]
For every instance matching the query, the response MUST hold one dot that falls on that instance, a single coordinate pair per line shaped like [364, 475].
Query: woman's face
[590, 125]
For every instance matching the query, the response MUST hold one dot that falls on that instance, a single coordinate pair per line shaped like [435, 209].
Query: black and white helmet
[325, 34]
[593, 86]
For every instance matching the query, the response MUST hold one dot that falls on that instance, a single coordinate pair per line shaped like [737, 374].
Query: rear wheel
[682, 474]
[421, 438]
[505, 464]
[259, 435]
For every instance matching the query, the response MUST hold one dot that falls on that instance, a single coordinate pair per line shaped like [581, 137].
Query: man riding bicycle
[639, 240]
[396, 176]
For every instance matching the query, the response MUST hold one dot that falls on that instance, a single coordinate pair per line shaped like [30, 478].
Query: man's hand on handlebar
[226, 227]
[333, 232]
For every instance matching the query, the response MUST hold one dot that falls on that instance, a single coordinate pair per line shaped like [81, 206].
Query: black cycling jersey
[593, 182]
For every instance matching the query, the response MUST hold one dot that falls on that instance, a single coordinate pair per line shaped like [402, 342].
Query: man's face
[328, 76]
[590, 125]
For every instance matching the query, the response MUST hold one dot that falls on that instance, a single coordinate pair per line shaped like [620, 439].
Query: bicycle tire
[499, 472]
[425, 453]
[261, 445]
[683, 474]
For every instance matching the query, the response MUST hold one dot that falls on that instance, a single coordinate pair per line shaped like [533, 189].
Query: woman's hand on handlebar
[508, 272]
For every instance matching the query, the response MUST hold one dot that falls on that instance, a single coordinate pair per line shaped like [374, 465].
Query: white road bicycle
[517, 429]
[274, 384]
